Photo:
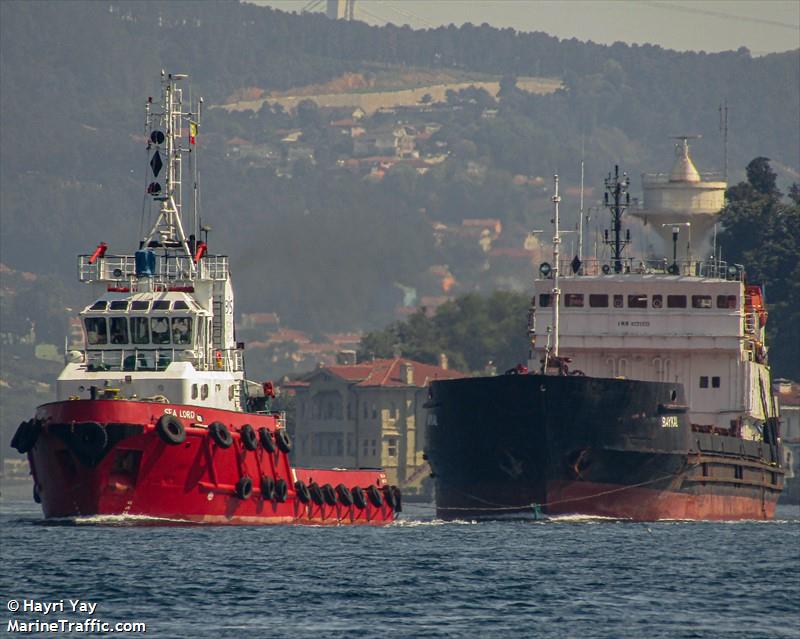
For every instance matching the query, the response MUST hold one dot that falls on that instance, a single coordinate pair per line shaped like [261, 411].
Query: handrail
[121, 269]
[715, 269]
[158, 359]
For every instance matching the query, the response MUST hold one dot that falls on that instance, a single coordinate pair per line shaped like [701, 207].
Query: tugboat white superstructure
[154, 416]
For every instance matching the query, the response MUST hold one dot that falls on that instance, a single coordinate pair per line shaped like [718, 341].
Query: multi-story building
[788, 394]
[366, 415]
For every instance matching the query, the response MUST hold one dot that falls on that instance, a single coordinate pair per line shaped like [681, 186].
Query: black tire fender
[359, 496]
[316, 493]
[283, 440]
[88, 439]
[281, 490]
[344, 495]
[26, 436]
[388, 497]
[375, 496]
[248, 437]
[171, 430]
[244, 487]
[267, 488]
[220, 434]
[265, 437]
[302, 491]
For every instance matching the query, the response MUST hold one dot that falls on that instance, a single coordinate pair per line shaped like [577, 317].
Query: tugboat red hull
[107, 457]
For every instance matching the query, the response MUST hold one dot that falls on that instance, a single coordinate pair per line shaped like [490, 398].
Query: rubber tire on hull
[375, 496]
[284, 442]
[344, 494]
[244, 487]
[88, 439]
[171, 430]
[220, 434]
[398, 499]
[281, 490]
[267, 488]
[316, 493]
[248, 437]
[359, 496]
[329, 495]
[388, 497]
[302, 491]
[267, 443]
[27, 434]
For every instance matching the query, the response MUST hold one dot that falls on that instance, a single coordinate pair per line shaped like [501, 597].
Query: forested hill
[326, 249]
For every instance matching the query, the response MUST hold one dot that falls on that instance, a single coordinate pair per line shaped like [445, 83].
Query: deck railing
[716, 269]
[158, 359]
[121, 269]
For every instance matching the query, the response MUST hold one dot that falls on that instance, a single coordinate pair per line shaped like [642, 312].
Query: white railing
[121, 269]
[158, 359]
[711, 268]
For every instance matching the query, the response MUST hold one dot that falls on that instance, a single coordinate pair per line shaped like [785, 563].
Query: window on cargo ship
[701, 301]
[618, 300]
[726, 301]
[658, 301]
[598, 300]
[637, 301]
[676, 301]
[574, 300]
[544, 299]
[704, 382]
[715, 382]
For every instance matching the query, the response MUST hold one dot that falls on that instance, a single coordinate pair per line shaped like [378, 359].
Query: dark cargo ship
[649, 400]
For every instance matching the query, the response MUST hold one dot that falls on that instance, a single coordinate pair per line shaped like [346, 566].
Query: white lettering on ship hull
[183, 413]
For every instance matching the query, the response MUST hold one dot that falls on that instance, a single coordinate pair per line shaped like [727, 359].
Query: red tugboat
[154, 417]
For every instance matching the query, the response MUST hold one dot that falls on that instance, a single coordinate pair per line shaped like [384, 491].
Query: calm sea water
[417, 578]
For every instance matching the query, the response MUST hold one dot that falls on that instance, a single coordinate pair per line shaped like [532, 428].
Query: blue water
[416, 578]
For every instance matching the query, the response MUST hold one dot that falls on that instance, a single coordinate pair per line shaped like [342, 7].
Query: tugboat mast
[617, 199]
[164, 131]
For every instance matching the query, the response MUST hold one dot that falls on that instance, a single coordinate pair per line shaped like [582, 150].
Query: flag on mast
[192, 132]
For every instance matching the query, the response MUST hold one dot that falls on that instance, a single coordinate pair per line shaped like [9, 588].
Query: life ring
[171, 430]
[344, 494]
[359, 496]
[388, 496]
[27, 434]
[88, 439]
[302, 491]
[220, 434]
[329, 495]
[375, 495]
[244, 487]
[281, 490]
[282, 437]
[267, 443]
[248, 437]
[267, 487]
[316, 493]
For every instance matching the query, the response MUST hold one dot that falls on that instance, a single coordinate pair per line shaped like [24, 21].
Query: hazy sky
[763, 26]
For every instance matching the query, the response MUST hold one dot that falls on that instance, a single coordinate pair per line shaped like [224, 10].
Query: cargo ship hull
[106, 457]
[520, 445]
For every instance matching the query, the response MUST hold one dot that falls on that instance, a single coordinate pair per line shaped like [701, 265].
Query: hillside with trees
[326, 232]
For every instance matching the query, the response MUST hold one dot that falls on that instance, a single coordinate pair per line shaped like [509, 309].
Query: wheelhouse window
[676, 301]
[726, 301]
[99, 305]
[180, 305]
[96, 331]
[544, 299]
[159, 327]
[637, 301]
[574, 300]
[140, 330]
[119, 330]
[181, 330]
[701, 301]
[598, 300]
[161, 305]
[140, 305]
[118, 305]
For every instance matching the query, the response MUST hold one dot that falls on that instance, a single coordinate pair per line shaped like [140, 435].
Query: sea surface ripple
[416, 578]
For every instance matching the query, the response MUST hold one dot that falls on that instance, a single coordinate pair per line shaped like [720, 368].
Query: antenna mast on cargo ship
[617, 199]
[556, 243]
